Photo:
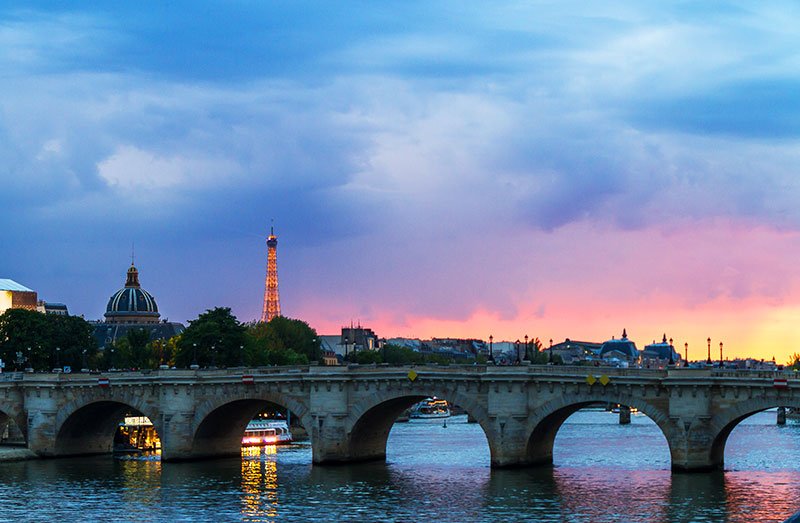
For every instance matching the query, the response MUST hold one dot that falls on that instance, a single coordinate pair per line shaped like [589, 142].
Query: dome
[132, 304]
[623, 346]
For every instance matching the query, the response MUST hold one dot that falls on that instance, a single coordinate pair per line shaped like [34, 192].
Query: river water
[603, 472]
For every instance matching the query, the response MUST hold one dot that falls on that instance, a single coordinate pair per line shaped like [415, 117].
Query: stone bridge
[349, 411]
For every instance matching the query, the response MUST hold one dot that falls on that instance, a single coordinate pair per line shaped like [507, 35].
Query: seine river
[603, 472]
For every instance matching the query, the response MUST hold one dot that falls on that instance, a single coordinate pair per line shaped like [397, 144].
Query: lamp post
[491, 350]
[550, 359]
[516, 348]
[720, 355]
[194, 364]
[85, 365]
[708, 361]
[213, 356]
[112, 357]
[526, 348]
[241, 355]
[30, 362]
[58, 356]
[671, 350]
[686, 354]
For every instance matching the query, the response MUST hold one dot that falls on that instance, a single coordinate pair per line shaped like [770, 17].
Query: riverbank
[16, 454]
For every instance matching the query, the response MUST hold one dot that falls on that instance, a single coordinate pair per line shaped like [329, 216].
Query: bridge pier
[624, 415]
[781, 416]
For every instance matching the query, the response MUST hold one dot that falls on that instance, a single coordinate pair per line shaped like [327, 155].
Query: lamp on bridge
[526, 348]
[708, 361]
[550, 359]
[720, 355]
[671, 351]
[686, 354]
[516, 348]
[194, 364]
[491, 350]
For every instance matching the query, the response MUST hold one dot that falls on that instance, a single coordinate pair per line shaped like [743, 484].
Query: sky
[432, 169]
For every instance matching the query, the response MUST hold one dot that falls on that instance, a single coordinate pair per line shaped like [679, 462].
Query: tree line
[216, 338]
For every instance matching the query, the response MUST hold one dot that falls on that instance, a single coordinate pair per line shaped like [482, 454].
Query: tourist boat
[429, 409]
[266, 432]
[136, 434]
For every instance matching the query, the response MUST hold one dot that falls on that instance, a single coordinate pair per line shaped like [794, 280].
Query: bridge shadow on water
[602, 472]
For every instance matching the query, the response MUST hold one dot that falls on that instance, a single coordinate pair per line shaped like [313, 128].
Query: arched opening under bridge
[104, 427]
[420, 431]
[11, 433]
[247, 427]
[757, 441]
[608, 433]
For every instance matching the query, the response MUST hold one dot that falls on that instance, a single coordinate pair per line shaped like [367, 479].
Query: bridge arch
[370, 420]
[724, 422]
[85, 427]
[548, 418]
[219, 424]
[12, 423]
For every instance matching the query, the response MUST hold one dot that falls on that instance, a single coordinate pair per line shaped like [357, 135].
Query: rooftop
[11, 285]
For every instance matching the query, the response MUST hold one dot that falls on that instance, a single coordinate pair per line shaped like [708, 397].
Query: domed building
[660, 354]
[621, 349]
[130, 308]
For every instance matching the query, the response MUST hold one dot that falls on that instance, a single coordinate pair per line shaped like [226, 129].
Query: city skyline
[561, 171]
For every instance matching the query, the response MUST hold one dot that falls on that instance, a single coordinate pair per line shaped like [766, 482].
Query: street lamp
[516, 348]
[241, 355]
[112, 357]
[213, 356]
[491, 350]
[720, 355]
[671, 350]
[550, 359]
[686, 354]
[708, 361]
[85, 366]
[526, 348]
[58, 356]
[194, 364]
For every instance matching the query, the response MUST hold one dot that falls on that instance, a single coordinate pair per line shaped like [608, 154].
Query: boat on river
[266, 432]
[430, 408]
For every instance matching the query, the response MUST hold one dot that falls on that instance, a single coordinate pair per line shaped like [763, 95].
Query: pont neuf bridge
[349, 411]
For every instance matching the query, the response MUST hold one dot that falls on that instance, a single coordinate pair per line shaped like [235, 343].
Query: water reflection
[259, 484]
[602, 473]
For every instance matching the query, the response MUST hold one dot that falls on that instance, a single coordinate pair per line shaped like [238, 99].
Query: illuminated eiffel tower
[272, 302]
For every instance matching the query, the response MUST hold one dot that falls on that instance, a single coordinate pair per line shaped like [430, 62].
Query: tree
[42, 341]
[282, 341]
[215, 338]
[134, 351]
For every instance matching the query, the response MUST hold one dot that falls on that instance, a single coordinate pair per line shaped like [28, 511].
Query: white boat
[430, 408]
[266, 432]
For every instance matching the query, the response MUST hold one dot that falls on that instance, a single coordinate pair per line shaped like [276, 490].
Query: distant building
[619, 350]
[571, 351]
[659, 355]
[359, 338]
[57, 309]
[16, 296]
[133, 308]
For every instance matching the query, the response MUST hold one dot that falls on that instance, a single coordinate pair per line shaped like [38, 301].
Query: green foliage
[43, 341]
[134, 351]
[282, 341]
[215, 338]
[794, 361]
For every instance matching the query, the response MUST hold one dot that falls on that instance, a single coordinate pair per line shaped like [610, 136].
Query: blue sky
[429, 166]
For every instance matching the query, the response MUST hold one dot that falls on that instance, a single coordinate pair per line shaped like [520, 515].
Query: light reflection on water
[603, 472]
